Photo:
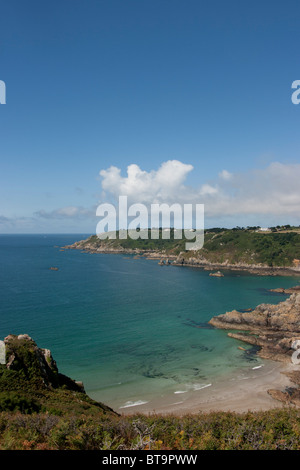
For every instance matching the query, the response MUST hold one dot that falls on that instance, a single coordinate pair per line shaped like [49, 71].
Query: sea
[133, 331]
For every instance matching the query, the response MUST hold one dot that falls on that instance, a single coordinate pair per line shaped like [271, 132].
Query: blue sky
[99, 86]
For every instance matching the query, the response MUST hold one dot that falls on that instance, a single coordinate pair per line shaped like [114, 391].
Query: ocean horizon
[134, 332]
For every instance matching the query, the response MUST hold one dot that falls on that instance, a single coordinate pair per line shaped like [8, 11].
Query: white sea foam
[193, 387]
[128, 404]
[200, 386]
[257, 367]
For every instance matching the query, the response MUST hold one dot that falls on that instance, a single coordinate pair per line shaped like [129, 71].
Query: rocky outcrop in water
[217, 274]
[289, 290]
[274, 328]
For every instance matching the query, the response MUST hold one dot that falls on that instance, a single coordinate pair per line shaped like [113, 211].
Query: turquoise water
[130, 329]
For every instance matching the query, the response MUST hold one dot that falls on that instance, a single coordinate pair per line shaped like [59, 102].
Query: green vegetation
[252, 247]
[38, 415]
[271, 430]
[28, 384]
[277, 247]
[14, 401]
[169, 245]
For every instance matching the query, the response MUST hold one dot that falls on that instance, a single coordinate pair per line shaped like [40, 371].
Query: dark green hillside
[239, 245]
[244, 246]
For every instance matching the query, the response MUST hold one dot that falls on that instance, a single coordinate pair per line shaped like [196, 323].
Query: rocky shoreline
[260, 270]
[275, 329]
[180, 260]
[289, 290]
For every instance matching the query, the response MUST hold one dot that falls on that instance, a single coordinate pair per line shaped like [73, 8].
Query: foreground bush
[271, 430]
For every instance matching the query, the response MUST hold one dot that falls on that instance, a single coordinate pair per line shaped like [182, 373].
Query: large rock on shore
[274, 328]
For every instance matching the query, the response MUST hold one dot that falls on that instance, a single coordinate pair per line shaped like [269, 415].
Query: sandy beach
[241, 393]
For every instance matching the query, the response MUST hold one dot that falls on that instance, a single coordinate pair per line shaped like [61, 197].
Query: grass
[271, 430]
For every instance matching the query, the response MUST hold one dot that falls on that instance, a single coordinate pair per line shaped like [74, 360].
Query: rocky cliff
[30, 381]
[25, 357]
[275, 329]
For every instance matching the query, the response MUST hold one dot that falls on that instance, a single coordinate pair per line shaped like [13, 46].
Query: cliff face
[275, 328]
[30, 382]
[35, 364]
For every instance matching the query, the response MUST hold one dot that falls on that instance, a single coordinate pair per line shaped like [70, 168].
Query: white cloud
[208, 190]
[272, 191]
[163, 185]
[68, 212]
[225, 175]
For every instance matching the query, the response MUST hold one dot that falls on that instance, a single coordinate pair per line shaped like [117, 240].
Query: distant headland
[274, 251]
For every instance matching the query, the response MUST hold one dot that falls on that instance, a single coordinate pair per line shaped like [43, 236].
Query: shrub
[12, 401]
